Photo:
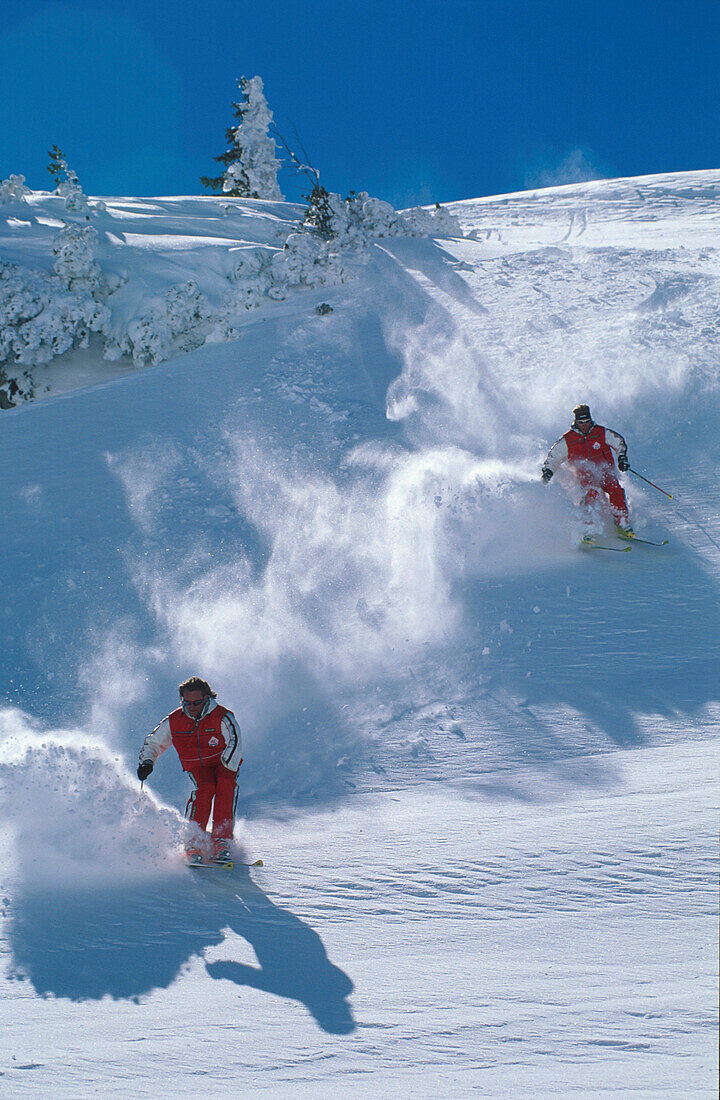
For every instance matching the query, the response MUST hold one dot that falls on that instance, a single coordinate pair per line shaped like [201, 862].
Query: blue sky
[415, 101]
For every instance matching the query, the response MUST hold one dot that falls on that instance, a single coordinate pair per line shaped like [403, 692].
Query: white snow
[143, 281]
[480, 766]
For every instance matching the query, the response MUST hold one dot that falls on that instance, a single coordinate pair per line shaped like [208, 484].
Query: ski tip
[257, 863]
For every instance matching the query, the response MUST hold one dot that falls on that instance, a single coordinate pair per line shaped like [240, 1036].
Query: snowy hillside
[85, 284]
[480, 763]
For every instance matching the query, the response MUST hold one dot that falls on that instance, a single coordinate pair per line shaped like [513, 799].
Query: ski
[589, 544]
[224, 864]
[646, 542]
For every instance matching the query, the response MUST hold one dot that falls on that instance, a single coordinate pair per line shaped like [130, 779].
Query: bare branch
[304, 151]
[306, 168]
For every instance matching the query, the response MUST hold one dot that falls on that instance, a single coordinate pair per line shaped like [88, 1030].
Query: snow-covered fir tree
[68, 188]
[251, 166]
[58, 165]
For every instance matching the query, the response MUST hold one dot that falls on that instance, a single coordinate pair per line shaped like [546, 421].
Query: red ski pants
[219, 784]
[603, 481]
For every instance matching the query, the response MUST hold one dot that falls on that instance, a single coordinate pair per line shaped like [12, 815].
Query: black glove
[144, 769]
[546, 473]
[623, 463]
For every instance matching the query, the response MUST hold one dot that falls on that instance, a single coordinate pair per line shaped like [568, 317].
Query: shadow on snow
[124, 941]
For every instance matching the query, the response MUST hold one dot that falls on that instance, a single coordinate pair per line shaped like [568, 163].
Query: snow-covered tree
[251, 166]
[13, 189]
[58, 166]
[76, 201]
[354, 221]
[41, 317]
[67, 184]
[74, 249]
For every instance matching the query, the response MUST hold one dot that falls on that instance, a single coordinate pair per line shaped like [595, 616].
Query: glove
[623, 463]
[546, 473]
[144, 769]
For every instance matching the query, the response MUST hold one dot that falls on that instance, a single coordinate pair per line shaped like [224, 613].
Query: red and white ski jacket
[212, 739]
[596, 447]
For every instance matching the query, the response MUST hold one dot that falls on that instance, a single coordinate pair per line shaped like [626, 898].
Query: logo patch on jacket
[213, 741]
[596, 446]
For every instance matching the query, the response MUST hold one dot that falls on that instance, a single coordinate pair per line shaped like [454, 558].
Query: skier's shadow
[85, 943]
[293, 961]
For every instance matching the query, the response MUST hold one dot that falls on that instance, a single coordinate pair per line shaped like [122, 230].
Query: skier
[206, 737]
[588, 449]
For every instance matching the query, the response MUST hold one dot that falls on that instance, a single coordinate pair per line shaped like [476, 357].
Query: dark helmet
[581, 415]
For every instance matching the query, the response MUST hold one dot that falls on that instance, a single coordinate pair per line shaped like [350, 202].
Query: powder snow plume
[74, 811]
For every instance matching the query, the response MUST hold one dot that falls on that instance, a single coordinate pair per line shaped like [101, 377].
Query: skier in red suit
[206, 737]
[590, 451]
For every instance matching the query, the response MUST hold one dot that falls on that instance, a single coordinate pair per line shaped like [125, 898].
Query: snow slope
[481, 766]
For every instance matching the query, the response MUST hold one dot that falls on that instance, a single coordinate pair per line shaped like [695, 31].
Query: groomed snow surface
[480, 764]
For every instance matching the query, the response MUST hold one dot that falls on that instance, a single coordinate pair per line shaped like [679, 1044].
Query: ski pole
[649, 482]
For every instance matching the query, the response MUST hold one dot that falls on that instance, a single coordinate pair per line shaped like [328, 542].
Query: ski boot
[194, 857]
[624, 530]
[223, 856]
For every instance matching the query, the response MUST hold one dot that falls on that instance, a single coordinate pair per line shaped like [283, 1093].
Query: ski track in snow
[481, 767]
